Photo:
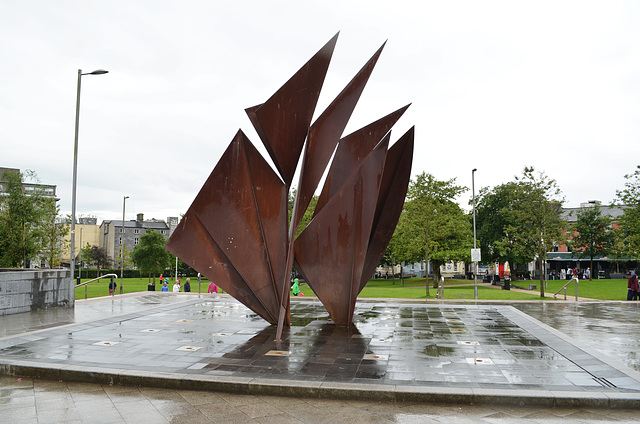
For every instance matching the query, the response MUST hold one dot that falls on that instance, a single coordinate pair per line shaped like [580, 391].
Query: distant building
[87, 231]
[46, 190]
[113, 234]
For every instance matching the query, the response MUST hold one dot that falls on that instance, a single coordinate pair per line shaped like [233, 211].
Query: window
[136, 231]
[120, 240]
[135, 241]
[121, 230]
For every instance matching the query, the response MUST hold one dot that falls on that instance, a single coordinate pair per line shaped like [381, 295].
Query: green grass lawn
[413, 288]
[594, 289]
[131, 285]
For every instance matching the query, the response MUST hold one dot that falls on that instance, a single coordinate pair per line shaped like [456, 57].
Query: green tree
[432, 225]
[53, 231]
[629, 222]
[308, 214]
[128, 262]
[20, 218]
[535, 224]
[150, 255]
[493, 216]
[97, 256]
[594, 236]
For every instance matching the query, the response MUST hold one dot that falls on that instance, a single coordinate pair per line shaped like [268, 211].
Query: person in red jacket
[632, 287]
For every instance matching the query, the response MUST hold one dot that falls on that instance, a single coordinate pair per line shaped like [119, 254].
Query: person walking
[187, 286]
[165, 288]
[176, 287]
[632, 286]
[112, 287]
[212, 288]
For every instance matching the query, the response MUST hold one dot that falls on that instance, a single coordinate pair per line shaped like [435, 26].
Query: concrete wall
[24, 290]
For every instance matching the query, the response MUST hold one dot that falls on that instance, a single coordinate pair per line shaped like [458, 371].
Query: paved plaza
[185, 357]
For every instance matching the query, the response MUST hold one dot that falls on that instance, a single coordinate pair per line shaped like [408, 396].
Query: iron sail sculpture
[237, 231]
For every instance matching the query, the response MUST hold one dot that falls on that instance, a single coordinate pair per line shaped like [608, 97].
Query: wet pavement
[401, 362]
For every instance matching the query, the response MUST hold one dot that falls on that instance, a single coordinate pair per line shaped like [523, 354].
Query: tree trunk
[436, 274]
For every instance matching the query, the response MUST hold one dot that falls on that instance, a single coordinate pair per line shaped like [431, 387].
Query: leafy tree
[128, 262]
[629, 222]
[594, 236]
[53, 231]
[493, 215]
[20, 216]
[150, 255]
[308, 214]
[535, 224]
[432, 225]
[97, 256]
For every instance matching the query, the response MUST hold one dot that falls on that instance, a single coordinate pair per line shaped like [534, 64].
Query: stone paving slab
[396, 351]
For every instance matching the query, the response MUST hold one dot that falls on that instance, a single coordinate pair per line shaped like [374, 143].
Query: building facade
[115, 233]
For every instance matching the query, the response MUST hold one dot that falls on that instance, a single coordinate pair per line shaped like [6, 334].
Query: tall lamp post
[475, 271]
[72, 261]
[124, 202]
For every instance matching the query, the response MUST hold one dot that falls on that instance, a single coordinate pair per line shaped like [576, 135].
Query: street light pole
[72, 261]
[124, 201]
[475, 271]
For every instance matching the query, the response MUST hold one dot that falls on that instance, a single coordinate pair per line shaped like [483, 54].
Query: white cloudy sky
[495, 85]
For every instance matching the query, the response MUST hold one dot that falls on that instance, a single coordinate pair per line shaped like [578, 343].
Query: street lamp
[475, 271]
[124, 201]
[72, 261]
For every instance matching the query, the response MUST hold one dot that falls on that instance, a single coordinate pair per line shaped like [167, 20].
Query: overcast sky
[494, 85]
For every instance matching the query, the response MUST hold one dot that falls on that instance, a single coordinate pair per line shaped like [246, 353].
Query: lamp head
[98, 72]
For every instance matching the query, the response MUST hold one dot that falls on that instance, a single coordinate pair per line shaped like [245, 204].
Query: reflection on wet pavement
[609, 327]
[391, 343]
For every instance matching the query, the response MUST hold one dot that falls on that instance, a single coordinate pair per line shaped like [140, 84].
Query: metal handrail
[91, 281]
[565, 289]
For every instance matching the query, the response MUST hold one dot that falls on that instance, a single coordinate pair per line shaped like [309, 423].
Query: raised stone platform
[23, 290]
[397, 351]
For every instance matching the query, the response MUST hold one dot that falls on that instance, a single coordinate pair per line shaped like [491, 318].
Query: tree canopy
[27, 220]
[150, 255]
[593, 233]
[629, 222]
[432, 225]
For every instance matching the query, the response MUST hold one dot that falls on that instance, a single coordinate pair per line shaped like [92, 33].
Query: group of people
[213, 288]
[569, 273]
[632, 287]
[177, 286]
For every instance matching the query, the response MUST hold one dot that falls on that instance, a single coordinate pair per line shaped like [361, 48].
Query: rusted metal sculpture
[235, 232]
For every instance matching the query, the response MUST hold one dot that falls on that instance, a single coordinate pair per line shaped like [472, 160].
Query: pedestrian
[160, 278]
[165, 288]
[563, 274]
[632, 287]
[296, 287]
[575, 273]
[187, 286]
[588, 272]
[112, 287]
[176, 286]
[212, 288]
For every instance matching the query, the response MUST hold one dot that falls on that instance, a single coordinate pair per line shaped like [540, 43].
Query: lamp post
[72, 261]
[475, 271]
[124, 202]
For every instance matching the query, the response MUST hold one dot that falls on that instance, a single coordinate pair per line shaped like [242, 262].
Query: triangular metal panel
[282, 122]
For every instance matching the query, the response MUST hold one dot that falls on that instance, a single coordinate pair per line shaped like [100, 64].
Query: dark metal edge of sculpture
[235, 231]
